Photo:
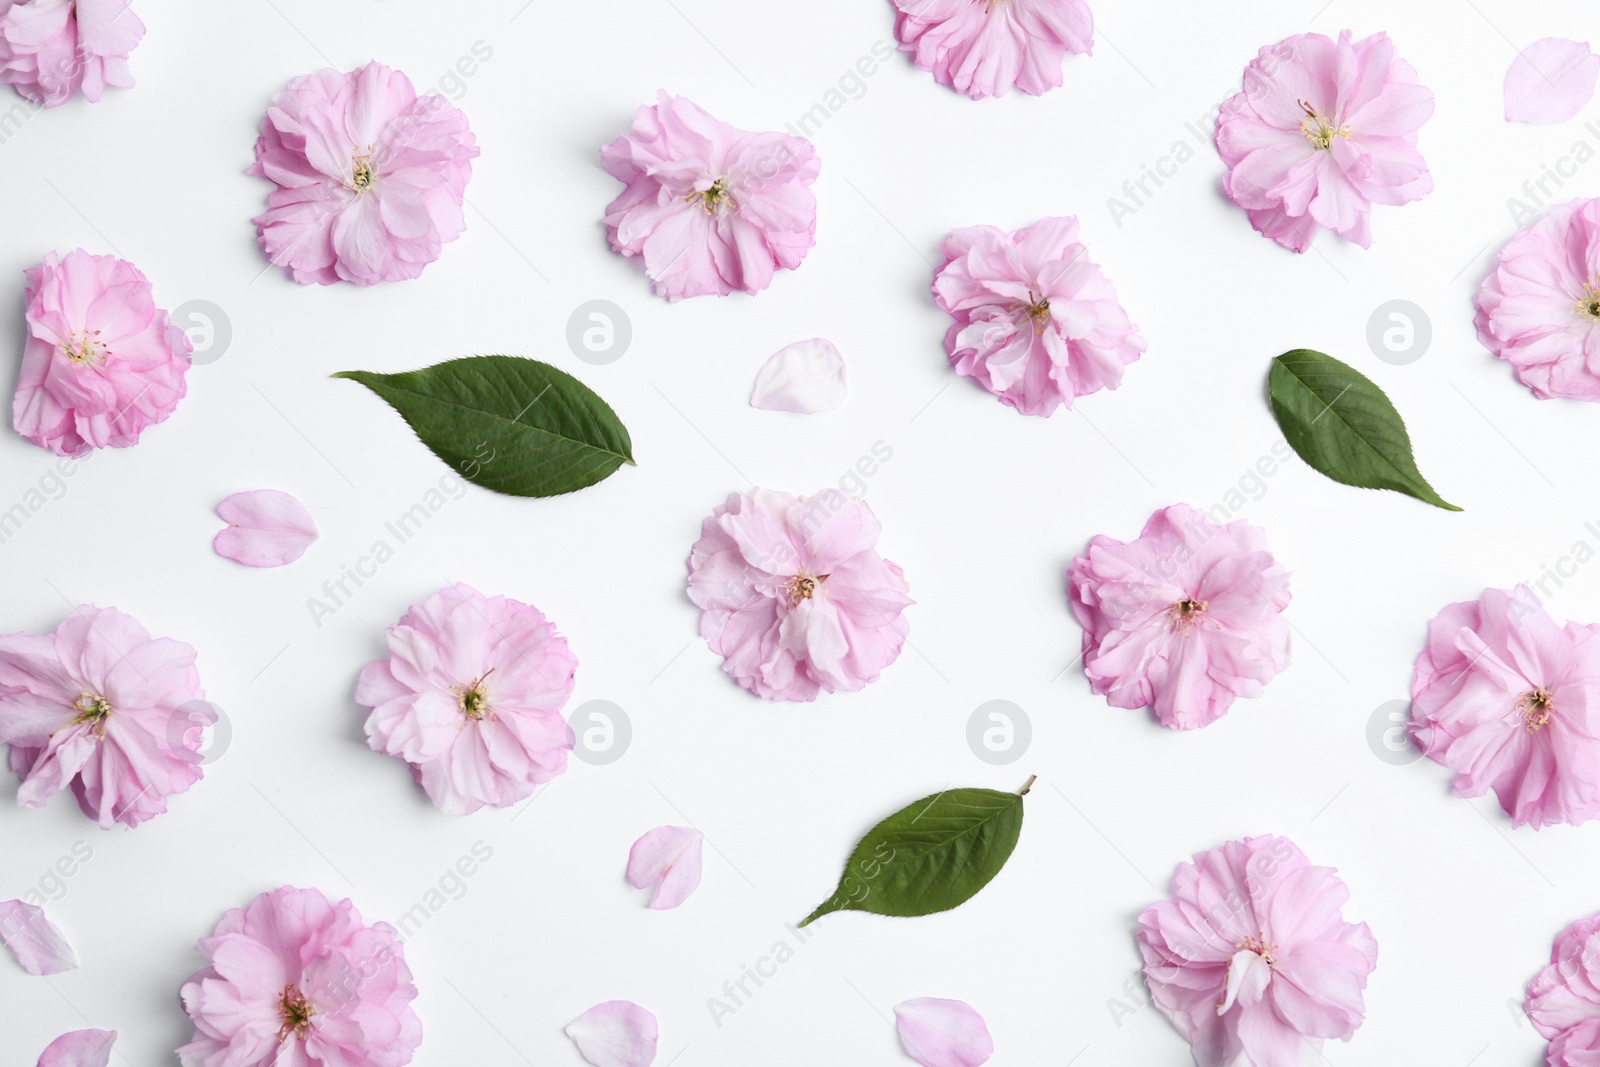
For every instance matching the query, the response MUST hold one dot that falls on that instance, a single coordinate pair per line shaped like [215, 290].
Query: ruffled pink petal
[805, 377]
[266, 528]
[669, 859]
[943, 1033]
[33, 940]
[618, 1033]
[1551, 81]
[80, 1048]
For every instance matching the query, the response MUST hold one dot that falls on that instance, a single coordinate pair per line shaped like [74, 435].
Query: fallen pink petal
[943, 1033]
[34, 940]
[266, 528]
[1550, 81]
[806, 377]
[667, 859]
[617, 1033]
[80, 1048]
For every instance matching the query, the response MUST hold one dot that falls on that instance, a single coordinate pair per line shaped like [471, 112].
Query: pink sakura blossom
[987, 47]
[667, 860]
[1036, 323]
[1539, 308]
[52, 50]
[80, 1048]
[1183, 619]
[1563, 1000]
[618, 1033]
[102, 707]
[34, 940]
[266, 528]
[470, 696]
[794, 596]
[1252, 960]
[101, 362]
[369, 176]
[1323, 130]
[711, 208]
[295, 980]
[943, 1033]
[1510, 701]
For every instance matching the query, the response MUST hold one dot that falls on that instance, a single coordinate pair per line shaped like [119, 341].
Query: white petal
[1551, 81]
[668, 858]
[943, 1033]
[807, 377]
[1248, 975]
[38, 945]
[617, 1033]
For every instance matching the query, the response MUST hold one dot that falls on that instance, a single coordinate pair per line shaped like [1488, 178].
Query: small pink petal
[806, 377]
[80, 1048]
[266, 528]
[1551, 81]
[38, 945]
[943, 1033]
[669, 858]
[617, 1033]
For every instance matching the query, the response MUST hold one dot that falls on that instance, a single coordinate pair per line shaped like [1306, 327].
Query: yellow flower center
[85, 347]
[93, 710]
[1319, 128]
[1259, 946]
[1588, 305]
[801, 587]
[1535, 708]
[1037, 309]
[361, 172]
[296, 1012]
[473, 699]
[1186, 615]
[713, 198]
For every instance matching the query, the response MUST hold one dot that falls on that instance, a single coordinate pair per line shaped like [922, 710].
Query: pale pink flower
[51, 50]
[1539, 308]
[1252, 960]
[470, 696]
[1551, 80]
[618, 1033]
[1322, 131]
[943, 1033]
[101, 361]
[794, 596]
[1036, 323]
[370, 177]
[80, 1048]
[1510, 701]
[102, 707]
[1184, 618]
[667, 861]
[295, 980]
[711, 208]
[1563, 1000]
[266, 528]
[34, 940]
[987, 47]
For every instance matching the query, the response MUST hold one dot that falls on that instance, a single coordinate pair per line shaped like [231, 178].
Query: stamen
[1186, 615]
[473, 699]
[801, 587]
[296, 1012]
[85, 347]
[361, 172]
[1588, 305]
[1318, 127]
[713, 198]
[1259, 946]
[1535, 708]
[1038, 309]
[93, 710]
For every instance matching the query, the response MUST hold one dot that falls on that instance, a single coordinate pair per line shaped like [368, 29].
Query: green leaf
[1344, 426]
[930, 856]
[509, 424]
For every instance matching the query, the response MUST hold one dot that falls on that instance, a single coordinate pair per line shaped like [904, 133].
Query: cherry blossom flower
[987, 47]
[295, 979]
[53, 50]
[1563, 1000]
[943, 1033]
[470, 696]
[618, 1033]
[102, 707]
[34, 940]
[369, 176]
[1183, 619]
[80, 1048]
[1322, 131]
[667, 861]
[266, 528]
[709, 207]
[1510, 701]
[1539, 308]
[1036, 323]
[101, 361]
[1252, 960]
[1551, 80]
[794, 596]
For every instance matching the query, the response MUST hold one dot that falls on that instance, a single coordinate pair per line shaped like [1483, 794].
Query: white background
[981, 506]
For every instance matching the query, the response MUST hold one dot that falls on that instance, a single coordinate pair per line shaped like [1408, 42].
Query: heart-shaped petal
[266, 528]
[806, 377]
[1551, 81]
[37, 944]
[617, 1033]
[943, 1033]
[668, 858]
[80, 1048]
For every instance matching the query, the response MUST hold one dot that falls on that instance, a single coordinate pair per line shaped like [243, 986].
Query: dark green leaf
[510, 424]
[1344, 426]
[930, 856]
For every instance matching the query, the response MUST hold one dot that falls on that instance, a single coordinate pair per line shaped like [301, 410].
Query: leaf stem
[1027, 785]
